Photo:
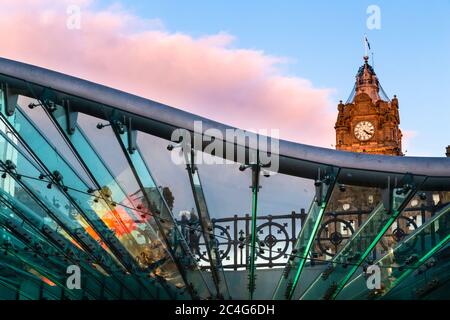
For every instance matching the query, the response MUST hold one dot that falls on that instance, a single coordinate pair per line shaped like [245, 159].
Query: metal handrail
[160, 120]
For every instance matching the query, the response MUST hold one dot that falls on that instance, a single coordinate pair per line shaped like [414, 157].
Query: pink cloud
[205, 75]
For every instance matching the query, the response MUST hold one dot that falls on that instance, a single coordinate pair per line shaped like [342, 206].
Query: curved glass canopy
[91, 181]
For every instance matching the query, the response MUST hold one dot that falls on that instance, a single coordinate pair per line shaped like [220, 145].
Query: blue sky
[323, 42]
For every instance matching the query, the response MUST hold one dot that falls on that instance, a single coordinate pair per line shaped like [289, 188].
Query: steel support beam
[222, 291]
[291, 274]
[207, 228]
[189, 270]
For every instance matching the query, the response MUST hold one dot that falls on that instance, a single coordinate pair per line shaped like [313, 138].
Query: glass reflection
[345, 263]
[409, 254]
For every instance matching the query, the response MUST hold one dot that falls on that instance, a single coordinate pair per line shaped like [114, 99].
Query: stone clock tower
[369, 121]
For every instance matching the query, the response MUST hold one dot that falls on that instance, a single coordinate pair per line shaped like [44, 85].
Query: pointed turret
[367, 81]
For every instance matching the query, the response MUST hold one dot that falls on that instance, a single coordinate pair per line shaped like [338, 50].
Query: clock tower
[369, 121]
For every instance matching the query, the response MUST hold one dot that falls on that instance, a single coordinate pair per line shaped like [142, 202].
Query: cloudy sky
[261, 65]
[256, 64]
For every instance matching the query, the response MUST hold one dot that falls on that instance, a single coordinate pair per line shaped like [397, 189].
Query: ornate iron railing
[277, 234]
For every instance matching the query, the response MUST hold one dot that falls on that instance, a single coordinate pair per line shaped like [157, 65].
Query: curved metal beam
[160, 120]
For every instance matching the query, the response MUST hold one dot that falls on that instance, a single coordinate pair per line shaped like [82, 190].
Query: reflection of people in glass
[194, 234]
[190, 228]
[184, 225]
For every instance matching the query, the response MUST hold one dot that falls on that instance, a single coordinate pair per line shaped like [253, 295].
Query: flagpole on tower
[366, 46]
[366, 49]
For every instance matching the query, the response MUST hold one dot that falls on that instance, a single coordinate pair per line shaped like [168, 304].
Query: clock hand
[367, 132]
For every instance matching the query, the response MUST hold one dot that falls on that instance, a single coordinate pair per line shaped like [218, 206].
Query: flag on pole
[367, 41]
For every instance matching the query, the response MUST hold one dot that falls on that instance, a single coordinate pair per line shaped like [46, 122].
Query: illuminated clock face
[364, 130]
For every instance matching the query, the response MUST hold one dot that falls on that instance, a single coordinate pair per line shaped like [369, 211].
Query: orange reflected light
[117, 220]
